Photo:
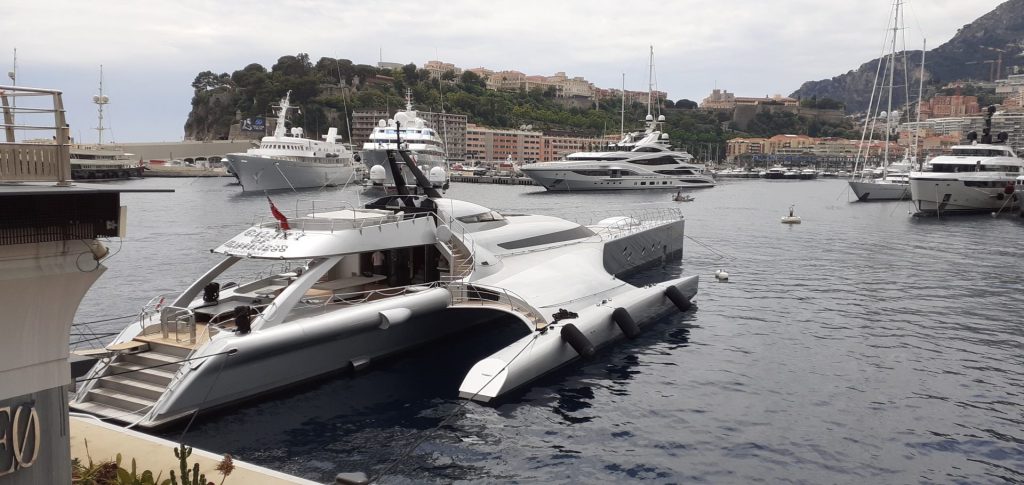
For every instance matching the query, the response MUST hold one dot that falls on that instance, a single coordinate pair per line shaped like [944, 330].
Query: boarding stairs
[136, 375]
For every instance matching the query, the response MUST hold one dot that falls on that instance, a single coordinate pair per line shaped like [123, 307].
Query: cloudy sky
[151, 51]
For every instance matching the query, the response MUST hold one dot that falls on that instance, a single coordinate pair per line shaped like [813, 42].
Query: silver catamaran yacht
[287, 160]
[362, 283]
[979, 177]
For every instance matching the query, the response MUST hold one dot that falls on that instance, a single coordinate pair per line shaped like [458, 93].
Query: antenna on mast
[100, 100]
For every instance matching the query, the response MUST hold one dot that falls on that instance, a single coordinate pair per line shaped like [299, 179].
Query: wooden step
[104, 411]
[151, 358]
[113, 398]
[135, 387]
[160, 375]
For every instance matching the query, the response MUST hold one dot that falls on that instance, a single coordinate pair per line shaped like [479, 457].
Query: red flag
[278, 215]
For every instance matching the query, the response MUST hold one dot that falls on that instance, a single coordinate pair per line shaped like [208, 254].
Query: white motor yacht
[356, 284]
[641, 161]
[976, 178]
[286, 160]
[423, 143]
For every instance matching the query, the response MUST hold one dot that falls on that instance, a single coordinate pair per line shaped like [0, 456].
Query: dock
[181, 171]
[106, 441]
[487, 179]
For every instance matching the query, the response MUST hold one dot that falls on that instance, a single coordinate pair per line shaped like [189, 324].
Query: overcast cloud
[151, 51]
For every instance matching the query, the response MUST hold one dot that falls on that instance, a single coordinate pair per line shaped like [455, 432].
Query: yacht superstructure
[355, 284]
[287, 160]
[407, 131]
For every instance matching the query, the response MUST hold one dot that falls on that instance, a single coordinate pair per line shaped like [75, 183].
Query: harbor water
[861, 346]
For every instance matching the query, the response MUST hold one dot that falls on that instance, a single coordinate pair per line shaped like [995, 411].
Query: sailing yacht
[423, 142]
[979, 177]
[287, 160]
[890, 180]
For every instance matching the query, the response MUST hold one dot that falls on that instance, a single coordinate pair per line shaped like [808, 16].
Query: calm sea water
[862, 346]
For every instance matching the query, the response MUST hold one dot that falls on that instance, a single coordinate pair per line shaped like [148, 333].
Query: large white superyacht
[287, 160]
[640, 161]
[353, 285]
[407, 129]
[979, 177]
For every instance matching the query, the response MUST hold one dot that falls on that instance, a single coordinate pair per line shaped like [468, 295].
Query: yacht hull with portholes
[566, 179]
[257, 173]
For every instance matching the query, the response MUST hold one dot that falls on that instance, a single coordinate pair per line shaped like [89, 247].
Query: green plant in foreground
[182, 453]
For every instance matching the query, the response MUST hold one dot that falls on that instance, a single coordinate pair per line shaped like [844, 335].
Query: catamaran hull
[261, 173]
[866, 191]
[544, 351]
[243, 367]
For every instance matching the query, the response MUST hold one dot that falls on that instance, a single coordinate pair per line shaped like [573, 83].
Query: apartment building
[489, 144]
[949, 106]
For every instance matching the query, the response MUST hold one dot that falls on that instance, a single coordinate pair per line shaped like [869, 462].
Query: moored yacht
[287, 160]
[980, 177]
[99, 162]
[640, 161]
[355, 284]
[424, 144]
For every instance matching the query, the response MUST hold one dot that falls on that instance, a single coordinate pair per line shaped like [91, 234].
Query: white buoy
[722, 275]
[791, 218]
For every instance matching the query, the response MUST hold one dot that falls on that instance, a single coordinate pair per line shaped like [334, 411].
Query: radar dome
[377, 174]
[382, 123]
[437, 175]
[649, 118]
[661, 117]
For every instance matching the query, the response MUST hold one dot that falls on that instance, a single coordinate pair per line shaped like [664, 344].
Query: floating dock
[486, 179]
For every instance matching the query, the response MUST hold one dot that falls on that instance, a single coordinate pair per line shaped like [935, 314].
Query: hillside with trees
[329, 90]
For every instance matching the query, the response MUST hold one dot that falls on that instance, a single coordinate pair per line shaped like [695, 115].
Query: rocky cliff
[991, 46]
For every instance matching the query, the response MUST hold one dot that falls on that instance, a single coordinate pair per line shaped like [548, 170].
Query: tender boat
[682, 198]
[286, 160]
[980, 177]
[356, 284]
[406, 128]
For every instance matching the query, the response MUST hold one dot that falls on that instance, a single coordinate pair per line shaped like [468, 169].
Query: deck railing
[47, 158]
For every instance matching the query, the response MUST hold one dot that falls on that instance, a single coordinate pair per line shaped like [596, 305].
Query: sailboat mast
[622, 115]
[892, 77]
[650, 81]
[920, 94]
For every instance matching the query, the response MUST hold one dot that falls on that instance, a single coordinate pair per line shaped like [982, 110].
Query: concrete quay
[157, 455]
[485, 179]
[182, 171]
